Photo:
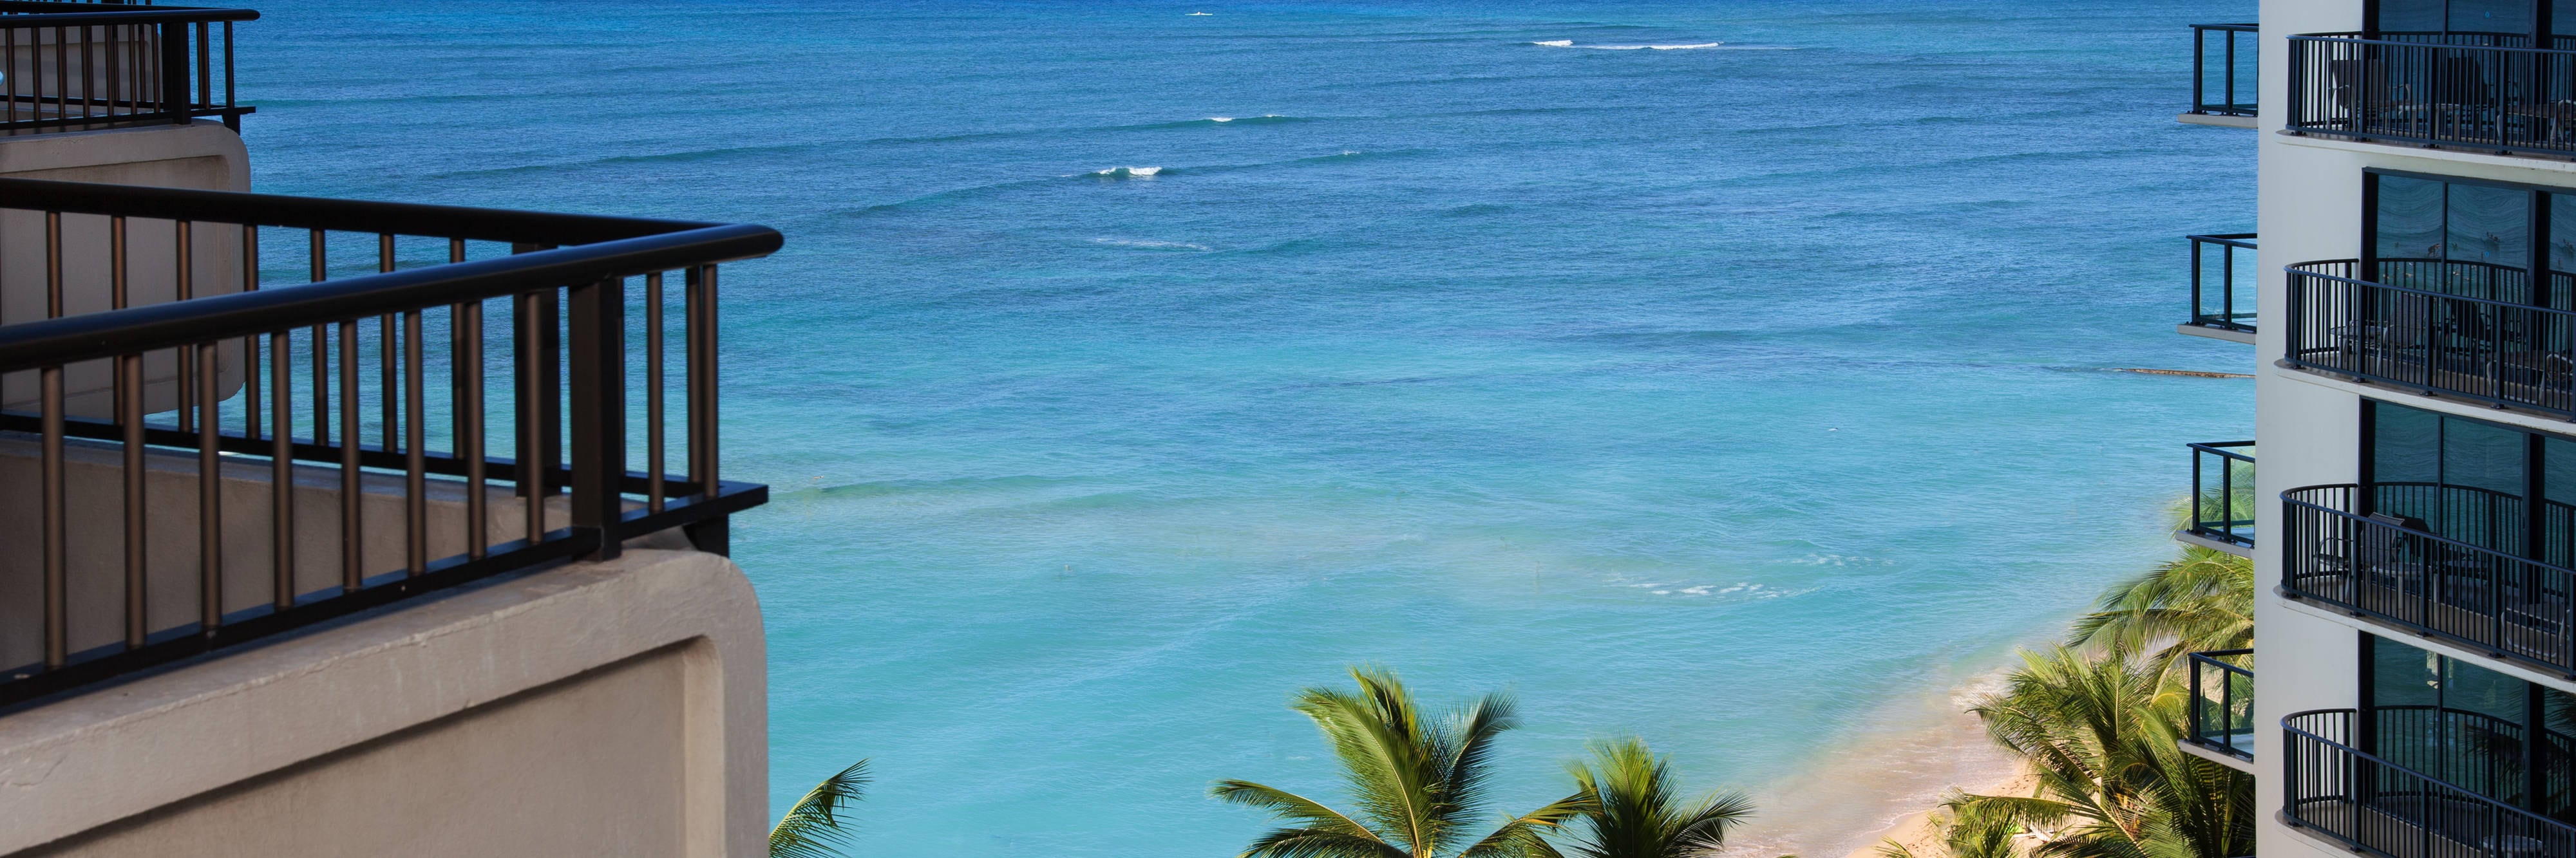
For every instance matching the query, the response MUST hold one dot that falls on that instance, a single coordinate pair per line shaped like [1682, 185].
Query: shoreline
[1914, 830]
[1882, 779]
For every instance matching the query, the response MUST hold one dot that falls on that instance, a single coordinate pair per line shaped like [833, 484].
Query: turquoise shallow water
[1719, 395]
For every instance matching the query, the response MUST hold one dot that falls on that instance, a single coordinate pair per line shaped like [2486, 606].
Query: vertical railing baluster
[531, 472]
[174, 71]
[321, 354]
[210, 495]
[352, 495]
[183, 289]
[57, 537]
[205, 67]
[711, 535]
[386, 384]
[281, 474]
[598, 412]
[250, 345]
[232, 119]
[415, 456]
[466, 371]
[129, 413]
[654, 417]
[50, 406]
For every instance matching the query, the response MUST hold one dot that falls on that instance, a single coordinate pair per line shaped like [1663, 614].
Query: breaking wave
[1128, 172]
[1701, 46]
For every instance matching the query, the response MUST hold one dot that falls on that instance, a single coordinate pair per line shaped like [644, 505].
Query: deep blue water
[1719, 395]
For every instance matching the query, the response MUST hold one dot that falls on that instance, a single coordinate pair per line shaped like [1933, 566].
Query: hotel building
[338, 527]
[2413, 522]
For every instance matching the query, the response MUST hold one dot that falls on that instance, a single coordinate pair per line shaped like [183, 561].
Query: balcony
[2491, 93]
[2222, 287]
[2449, 788]
[2380, 562]
[2222, 497]
[2223, 67]
[75, 66]
[2222, 706]
[2459, 330]
[244, 414]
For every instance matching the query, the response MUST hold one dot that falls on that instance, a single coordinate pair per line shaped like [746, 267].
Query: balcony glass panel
[2222, 491]
[2222, 702]
[2223, 274]
[2224, 64]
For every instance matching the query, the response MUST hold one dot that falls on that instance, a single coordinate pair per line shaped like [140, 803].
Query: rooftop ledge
[507, 703]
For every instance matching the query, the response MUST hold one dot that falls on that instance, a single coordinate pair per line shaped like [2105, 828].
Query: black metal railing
[2487, 92]
[2385, 806]
[183, 491]
[2464, 330]
[2385, 561]
[2222, 491]
[2222, 281]
[75, 65]
[2222, 702]
[2226, 69]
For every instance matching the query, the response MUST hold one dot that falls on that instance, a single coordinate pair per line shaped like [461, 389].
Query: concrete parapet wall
[597, 709]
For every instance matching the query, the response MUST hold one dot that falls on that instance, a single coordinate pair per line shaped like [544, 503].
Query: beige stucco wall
[202, 155]
[596, 709]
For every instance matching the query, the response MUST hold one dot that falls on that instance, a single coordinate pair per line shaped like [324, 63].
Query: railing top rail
[2300, 269]
[2219, 448]
[2288, 497]
[2231, 239]
[173, 324]
[233, 207]
[2212, 658]
[2241, 28]
[2368, 39]
[34, 13]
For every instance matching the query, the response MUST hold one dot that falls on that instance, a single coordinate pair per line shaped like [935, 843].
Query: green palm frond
[2100, 735]
[2201, 600]
[812, 826]
[1415, 781]
[1632, 807]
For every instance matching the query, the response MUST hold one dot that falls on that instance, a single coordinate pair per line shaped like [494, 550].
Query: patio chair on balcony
[2378, 346]
[2463, 100]
[2351, 79]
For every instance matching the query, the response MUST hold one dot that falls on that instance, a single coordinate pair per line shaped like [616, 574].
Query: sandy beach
[1915, 830]
[1880, 782]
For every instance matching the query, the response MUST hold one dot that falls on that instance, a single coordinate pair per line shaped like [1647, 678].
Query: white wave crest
[1200, 14]
[1569, 43]
[1128, 172]
[1150, 244]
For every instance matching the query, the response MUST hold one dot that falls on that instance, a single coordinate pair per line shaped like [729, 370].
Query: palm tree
[2202, 600]
[1633, 807]
[2112, 778]
[812, 827]
[1968, 830]
[1418, 782]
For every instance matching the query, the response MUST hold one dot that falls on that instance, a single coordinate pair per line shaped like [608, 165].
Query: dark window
[2469, 725]
[2459, 238]
[2410, 16]
[2466, 19]
[2463, 479]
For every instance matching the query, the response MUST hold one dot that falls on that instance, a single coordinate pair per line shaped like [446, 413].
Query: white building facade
[2413, 522]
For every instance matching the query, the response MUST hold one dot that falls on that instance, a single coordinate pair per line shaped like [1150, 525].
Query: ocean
[1741, 375]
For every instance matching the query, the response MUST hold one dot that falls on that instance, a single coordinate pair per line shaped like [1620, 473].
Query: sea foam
[1569, 43]
[1129, 172]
